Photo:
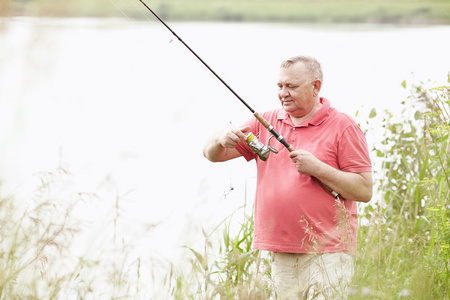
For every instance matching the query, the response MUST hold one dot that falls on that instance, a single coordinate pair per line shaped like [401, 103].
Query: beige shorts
[311, 276]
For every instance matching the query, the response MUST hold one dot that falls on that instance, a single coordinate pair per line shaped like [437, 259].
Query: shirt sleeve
[242, 147]
[353, 152]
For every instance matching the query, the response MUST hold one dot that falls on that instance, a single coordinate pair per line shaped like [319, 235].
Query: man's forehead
[291, 73]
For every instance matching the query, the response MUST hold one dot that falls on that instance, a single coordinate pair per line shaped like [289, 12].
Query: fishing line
[261, 119]
[121, 11]
[198, 57]
[138, 7]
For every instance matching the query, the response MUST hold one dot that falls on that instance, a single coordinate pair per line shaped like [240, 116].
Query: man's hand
[221, 146]
[232, 137]
[305, 162]
[353, 186]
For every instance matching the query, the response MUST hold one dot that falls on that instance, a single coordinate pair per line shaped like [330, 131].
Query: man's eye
[288, 86]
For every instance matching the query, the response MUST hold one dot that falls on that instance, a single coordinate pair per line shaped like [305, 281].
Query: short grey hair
[313, 65]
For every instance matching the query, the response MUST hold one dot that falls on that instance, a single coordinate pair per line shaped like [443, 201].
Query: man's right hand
[221, 146]
[232, 137]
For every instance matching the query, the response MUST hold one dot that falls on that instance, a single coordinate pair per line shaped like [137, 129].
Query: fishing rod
[263, 121]
[259, 148]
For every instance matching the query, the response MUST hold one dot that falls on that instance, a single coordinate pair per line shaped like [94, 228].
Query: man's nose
[283, 92]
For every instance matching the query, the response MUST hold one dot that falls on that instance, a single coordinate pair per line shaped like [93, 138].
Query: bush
[404, 233]
[404, 239]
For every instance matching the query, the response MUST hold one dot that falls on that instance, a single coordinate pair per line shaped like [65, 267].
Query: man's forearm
[213, 150]
[353, 186]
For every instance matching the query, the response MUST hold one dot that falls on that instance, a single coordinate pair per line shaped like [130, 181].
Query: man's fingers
[233, 136]
[245, 129]
[240, 133]
[293, 155]
[236, 136]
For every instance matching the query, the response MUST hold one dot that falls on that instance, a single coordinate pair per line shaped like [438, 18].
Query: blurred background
[324, 11]
[98, 99]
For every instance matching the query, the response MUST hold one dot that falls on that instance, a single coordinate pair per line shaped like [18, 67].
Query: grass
[226, 268]
[348, 11]
[404, 241]
[403, 237]
[37, 260]
[31, 240]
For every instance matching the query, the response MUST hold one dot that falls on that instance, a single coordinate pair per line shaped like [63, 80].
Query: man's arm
[221, 145]
[354, 186]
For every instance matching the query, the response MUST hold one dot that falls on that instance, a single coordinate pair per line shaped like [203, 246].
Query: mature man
[311, 233]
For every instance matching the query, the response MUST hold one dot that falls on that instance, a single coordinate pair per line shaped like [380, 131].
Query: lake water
[126, 108]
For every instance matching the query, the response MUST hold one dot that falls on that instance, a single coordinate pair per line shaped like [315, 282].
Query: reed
[38, 228]
[404, 239]
[228, 269]
[403, 235]
[35, 238]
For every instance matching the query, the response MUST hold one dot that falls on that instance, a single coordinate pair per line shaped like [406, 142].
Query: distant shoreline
[286, 11]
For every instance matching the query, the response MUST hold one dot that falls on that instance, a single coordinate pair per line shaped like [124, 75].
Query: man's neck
[314, 110]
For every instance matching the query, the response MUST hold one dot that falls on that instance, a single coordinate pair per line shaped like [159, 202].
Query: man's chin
[288, 108]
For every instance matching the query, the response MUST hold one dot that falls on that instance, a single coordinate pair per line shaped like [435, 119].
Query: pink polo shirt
[293, 212]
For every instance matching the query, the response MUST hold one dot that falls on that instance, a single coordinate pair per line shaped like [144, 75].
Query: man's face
[297, 90]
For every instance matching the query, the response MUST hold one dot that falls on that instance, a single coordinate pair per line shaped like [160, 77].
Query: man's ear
[317, 86]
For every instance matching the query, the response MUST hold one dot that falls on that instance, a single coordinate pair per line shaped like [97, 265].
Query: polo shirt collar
[316, 120]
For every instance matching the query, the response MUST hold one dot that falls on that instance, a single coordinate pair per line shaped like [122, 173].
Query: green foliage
[234, 271]
[404, 239]
[404, 234]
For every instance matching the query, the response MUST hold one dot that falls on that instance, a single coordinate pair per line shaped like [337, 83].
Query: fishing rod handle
[272, 130]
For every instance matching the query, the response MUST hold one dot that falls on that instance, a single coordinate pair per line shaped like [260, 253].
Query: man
[311, 233]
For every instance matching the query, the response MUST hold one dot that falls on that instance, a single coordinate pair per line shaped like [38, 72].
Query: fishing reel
[259, 148]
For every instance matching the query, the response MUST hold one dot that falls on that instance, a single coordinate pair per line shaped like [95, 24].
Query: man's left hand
[305, 162]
